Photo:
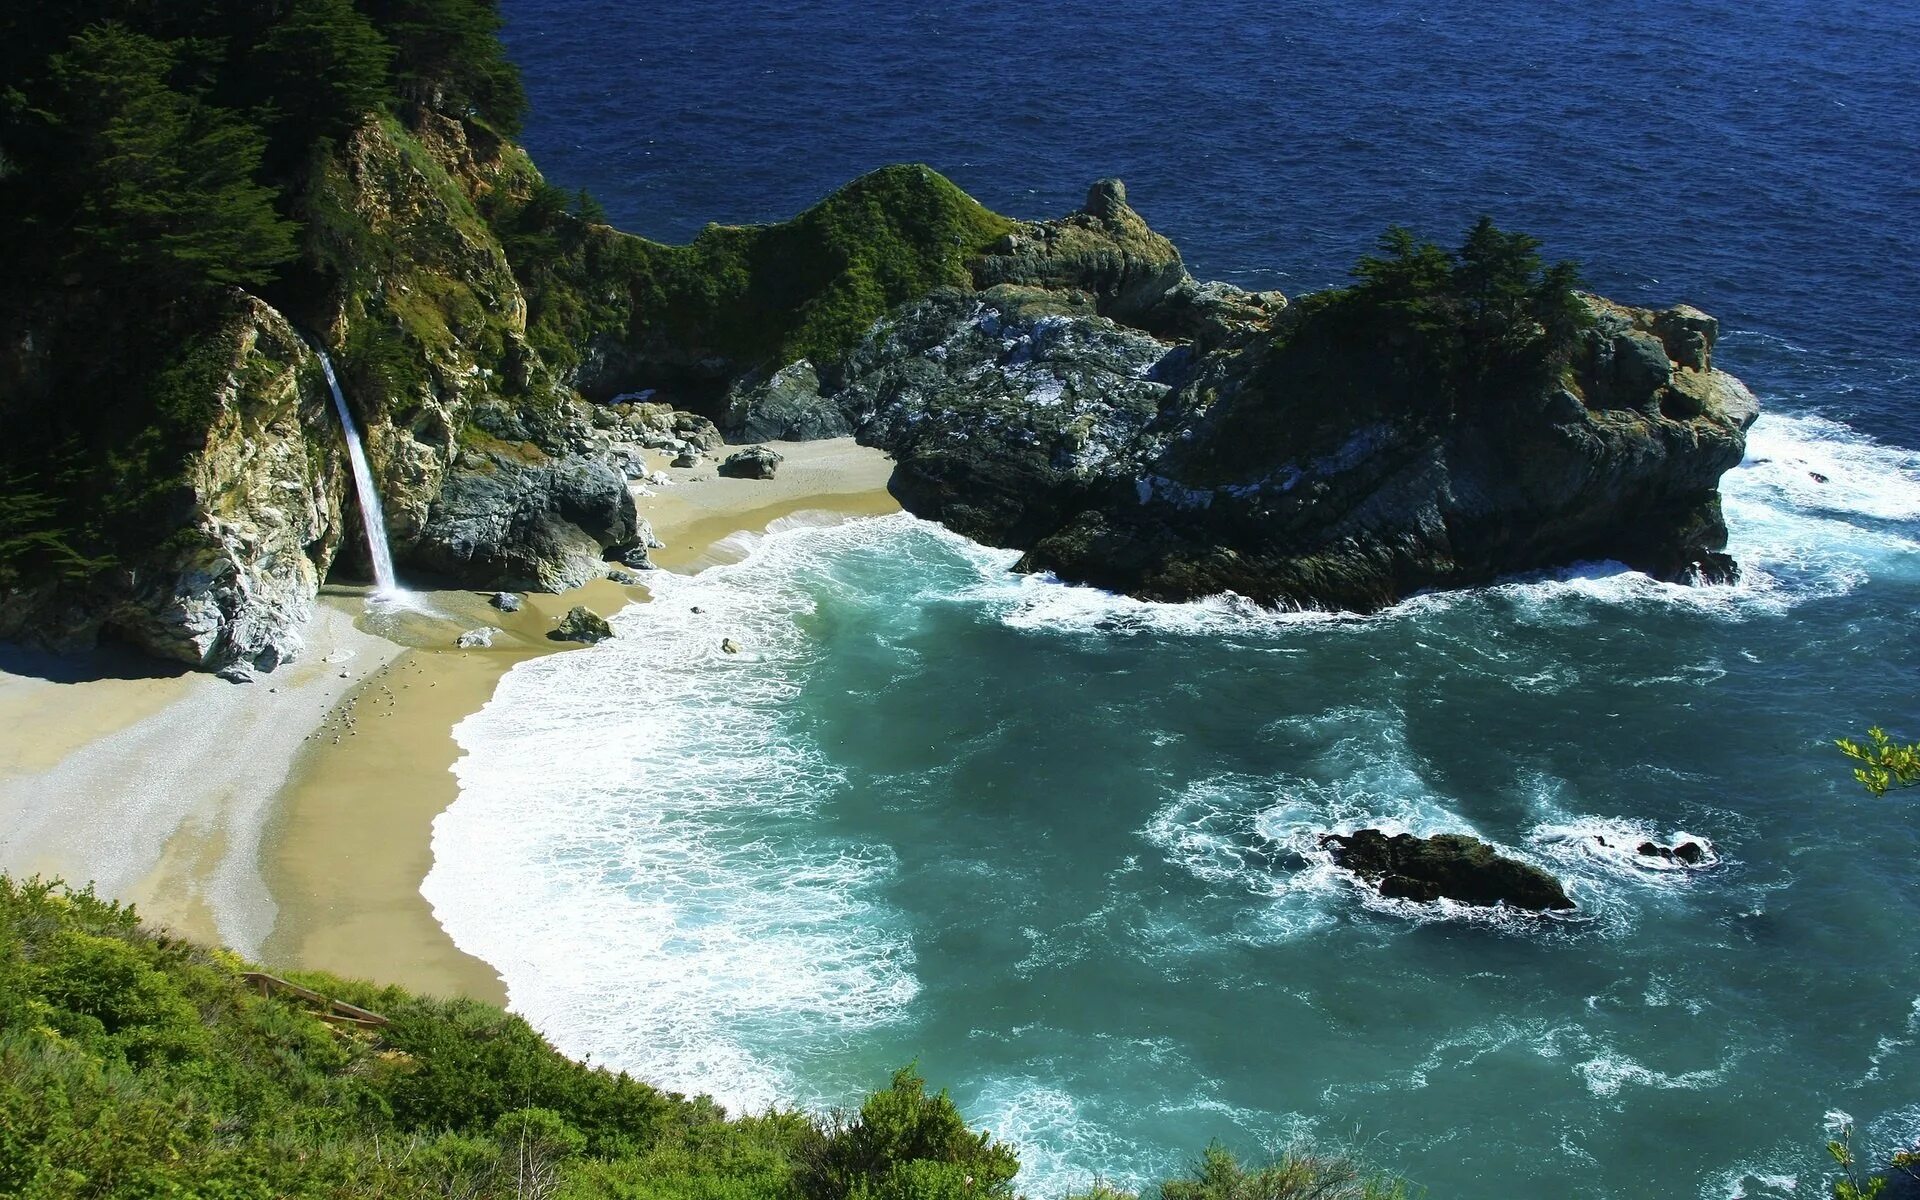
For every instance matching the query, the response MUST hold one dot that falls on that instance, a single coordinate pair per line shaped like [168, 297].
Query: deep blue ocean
[1058, 846]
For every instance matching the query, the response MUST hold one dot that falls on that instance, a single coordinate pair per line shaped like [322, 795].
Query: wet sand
[291, 818]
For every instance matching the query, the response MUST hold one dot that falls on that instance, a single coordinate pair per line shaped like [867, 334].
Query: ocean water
[1061, 847]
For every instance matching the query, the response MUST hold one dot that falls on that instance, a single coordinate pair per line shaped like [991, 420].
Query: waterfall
[370, 514]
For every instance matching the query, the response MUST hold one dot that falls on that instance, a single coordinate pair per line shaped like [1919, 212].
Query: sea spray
[371, 515]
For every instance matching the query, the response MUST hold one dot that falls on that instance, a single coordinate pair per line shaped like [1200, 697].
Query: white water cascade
[370, 513]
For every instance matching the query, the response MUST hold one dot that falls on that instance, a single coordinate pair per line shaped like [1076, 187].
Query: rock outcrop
[259, 516]
[1063, 387]
[1448, 866]
[492, 472]
[1130, 428]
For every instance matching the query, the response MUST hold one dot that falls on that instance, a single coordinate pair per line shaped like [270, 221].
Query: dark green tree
[450, 58]
[165, 184]
[325, 67]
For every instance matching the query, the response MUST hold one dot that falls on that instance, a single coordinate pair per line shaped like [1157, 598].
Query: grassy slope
[752, 296]
[135, 1065]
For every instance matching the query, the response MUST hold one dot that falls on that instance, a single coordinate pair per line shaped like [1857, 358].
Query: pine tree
[325, 66]
[166, 184]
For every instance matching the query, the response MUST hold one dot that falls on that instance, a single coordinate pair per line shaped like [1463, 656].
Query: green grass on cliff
[750, 296]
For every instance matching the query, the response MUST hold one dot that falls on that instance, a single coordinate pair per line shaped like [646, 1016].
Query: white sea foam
[632, 846]
[1061, 1145]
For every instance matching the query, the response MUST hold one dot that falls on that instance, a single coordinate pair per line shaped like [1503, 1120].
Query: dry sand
[156, 787]
[291, 818]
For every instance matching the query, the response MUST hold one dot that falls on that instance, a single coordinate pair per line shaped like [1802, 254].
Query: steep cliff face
[491, 470]
[1064, 387]
[231, 585]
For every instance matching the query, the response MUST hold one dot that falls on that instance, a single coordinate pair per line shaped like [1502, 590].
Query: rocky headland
[1126, 426]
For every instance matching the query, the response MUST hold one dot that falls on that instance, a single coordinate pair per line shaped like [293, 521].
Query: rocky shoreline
[1066, 389]
[1131, 428]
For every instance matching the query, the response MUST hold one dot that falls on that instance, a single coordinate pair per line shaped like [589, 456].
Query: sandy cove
[291, 818]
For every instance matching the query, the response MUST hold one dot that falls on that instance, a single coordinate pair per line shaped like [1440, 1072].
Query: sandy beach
[290, 818]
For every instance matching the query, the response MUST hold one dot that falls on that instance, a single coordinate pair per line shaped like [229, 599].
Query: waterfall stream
[370, 512]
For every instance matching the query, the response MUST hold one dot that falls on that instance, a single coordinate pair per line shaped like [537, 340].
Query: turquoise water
[1060, 847]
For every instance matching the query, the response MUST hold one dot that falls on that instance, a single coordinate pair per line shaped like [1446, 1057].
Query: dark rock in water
[1449, 866]
[1711, 567]
[755, 462]
[505, 601]
[1226, 464]
[581, 624]
[729, 646]
[1817, 477]
[623, 578]
[1690, 852]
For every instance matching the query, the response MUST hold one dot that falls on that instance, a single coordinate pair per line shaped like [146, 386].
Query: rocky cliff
[493, 473]
[1087, 402]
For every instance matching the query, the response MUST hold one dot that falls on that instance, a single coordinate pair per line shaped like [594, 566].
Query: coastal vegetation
[155, 162]
[1885, 765]
[134, 1064]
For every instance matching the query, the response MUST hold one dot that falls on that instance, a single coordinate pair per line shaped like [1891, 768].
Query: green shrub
[904, 1144]
[1295, 1175]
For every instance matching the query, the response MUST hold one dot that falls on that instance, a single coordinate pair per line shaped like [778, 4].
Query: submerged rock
[755, 462]
[581, 624]
[1449, 866]
[476, 638]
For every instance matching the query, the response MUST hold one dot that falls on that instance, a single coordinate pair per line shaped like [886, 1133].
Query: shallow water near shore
[1062, 847]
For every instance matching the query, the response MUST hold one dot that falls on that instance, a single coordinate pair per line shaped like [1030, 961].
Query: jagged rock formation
[1064, 387]
[493, 473]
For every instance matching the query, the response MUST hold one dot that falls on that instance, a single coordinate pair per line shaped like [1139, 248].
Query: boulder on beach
[581, 624]
[1448, 866]
[755, 462]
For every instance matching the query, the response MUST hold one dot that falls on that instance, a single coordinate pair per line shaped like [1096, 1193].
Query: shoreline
[291, 818]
